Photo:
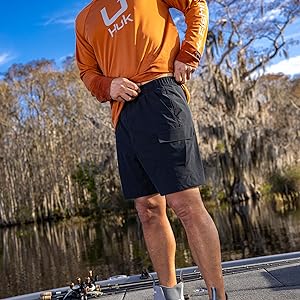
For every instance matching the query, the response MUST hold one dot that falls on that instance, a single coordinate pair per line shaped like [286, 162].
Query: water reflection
[39, 257]
[254, 229]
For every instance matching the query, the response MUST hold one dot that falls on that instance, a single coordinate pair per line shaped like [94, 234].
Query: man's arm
[102, 87]
[196, 18]
[90, 74]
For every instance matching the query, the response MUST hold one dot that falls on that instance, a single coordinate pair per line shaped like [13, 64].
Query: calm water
[37, 257]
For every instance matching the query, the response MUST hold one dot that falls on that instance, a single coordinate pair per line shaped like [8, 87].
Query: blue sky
[29, 31]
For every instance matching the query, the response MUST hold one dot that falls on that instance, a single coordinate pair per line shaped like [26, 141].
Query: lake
[44, 256]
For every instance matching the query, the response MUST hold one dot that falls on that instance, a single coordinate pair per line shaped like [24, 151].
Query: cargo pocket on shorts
[175, 144]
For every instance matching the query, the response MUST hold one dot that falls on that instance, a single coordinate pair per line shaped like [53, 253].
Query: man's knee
[186, 204]
[150, 208]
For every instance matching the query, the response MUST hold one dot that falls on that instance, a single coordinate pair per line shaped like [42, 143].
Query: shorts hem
[182, 188]
[166, 192]
[134, 196]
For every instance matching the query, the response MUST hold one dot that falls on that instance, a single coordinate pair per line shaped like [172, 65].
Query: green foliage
[221, 195]
[85, 177]
[286, 181]
[220, 147]
[266, 190]
[206, 192]
[209, 195]
[103, 194]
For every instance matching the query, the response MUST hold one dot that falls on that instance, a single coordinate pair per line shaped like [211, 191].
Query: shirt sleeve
[196, 18]
[90, 73]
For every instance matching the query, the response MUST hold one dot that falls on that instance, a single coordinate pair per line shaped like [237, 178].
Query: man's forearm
[196, 18]
[98, 85]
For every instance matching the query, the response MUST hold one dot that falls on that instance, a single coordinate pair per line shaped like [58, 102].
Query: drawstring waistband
[159, 82]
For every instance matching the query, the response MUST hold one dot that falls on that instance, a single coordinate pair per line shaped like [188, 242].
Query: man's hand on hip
[182, 71]
[122, 89]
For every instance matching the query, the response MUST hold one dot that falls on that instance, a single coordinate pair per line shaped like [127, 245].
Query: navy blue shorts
[156, 142]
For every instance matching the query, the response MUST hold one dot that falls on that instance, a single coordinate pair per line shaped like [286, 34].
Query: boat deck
[262, 278]
[267, 283]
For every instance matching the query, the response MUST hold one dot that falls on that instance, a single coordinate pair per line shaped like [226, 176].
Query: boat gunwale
[189, 274]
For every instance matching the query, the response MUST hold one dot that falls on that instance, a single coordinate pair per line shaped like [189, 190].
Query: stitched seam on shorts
[176, 118]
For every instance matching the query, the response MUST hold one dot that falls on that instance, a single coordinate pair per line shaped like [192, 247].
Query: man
[128, 52]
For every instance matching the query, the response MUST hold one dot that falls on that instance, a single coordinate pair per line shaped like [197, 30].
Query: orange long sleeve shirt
[135, 39]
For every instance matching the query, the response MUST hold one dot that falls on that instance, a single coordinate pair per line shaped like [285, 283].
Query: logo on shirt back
[114, 26]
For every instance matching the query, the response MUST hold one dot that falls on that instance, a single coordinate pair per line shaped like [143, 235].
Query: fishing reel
[82, 290]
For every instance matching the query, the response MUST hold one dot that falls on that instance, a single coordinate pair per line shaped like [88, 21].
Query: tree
[232, 114]
[54, 129]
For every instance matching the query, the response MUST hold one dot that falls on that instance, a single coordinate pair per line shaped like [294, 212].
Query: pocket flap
[176, 134]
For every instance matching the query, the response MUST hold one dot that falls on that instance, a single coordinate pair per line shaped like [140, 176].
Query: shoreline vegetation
[58, 161]
[57, 145]
[284, 201]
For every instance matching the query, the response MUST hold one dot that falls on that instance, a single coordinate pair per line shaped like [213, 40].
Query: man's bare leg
[202, 236]
[158, 236]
